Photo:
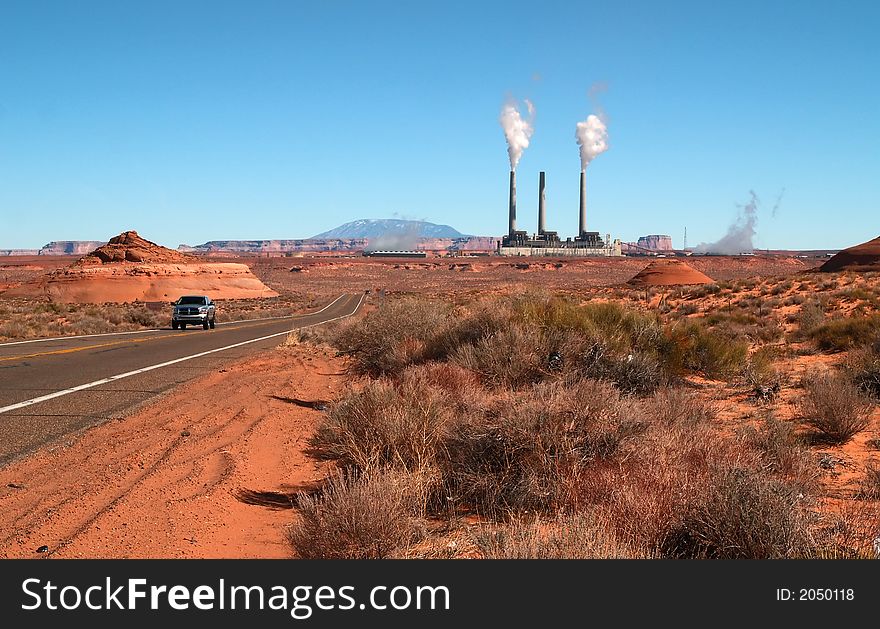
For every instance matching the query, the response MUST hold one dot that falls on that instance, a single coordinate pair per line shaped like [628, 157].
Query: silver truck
[195, 309]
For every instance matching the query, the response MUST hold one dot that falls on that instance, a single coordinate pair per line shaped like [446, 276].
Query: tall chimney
[542, 211]
[583, 204]
[512, 219]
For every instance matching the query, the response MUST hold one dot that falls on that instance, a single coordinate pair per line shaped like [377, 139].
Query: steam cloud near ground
[740, 235]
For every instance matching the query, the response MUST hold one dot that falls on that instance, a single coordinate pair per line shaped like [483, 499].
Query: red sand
[865, 256]
[192, 482]
[669, 273]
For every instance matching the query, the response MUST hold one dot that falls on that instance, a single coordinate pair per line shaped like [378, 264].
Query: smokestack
[542, 212]
[512, 219]
[583, 204]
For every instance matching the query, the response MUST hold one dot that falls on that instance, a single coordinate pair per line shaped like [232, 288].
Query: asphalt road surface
[52, 388]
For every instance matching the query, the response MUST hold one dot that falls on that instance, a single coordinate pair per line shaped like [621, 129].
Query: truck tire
[174, 325]
[205, 324]
[182, 325]
[213, 323]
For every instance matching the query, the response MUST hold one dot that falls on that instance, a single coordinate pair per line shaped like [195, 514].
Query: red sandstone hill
[130, 268]
[669, 273]
[865, 256]
[130, 247]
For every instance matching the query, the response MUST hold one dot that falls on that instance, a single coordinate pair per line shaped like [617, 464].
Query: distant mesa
[56, 248]
[387, 227]
[69, 247]
[669, 273]
[863, 257]
[655, 242]
[130, 268]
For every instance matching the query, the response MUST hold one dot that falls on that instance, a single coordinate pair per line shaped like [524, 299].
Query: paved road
[52, 388]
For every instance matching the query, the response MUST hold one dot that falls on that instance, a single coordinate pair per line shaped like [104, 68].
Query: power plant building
[547, 243]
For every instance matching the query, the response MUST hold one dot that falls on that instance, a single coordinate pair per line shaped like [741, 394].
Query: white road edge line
[87, 336]
[50, 396]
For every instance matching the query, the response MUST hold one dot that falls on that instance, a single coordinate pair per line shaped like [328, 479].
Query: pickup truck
[195, 309]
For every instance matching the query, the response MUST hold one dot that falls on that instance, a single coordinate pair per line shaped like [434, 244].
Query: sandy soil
[198, 473]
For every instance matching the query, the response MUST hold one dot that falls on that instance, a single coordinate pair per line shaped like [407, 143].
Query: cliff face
[655, 242]
[69, 247]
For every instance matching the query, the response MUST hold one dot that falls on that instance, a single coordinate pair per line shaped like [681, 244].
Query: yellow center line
[134, 341]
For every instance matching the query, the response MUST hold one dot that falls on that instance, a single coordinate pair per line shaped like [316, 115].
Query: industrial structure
[548, 243]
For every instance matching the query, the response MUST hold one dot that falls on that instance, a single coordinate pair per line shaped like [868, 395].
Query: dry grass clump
[783, 451]
[387, 340]
[742, 514]
[568, 536]
[846, 333]
[678, 406]
[834, 408]
[372, 516]
[513, 343]
[862, 366]
[528, 450]
[384, 425]
[710, 353]
[23, 318]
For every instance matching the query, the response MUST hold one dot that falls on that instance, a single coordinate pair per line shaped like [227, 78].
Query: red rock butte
[863, 257]
[130, 268]
[669, 273]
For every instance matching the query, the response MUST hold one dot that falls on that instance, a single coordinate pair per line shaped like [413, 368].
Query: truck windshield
[191, 301]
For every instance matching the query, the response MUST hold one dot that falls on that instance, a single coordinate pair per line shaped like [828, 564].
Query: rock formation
[669, 273]
[131, 268]
[865, 256]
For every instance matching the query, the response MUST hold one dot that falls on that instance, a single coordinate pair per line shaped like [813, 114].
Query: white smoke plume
[592, 137]
[517, 130]
[740, 235]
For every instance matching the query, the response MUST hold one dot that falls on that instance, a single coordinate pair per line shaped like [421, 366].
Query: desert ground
[484, 407]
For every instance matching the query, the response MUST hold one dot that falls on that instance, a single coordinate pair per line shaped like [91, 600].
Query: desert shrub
[834, 407]
[143, 317]
[89, 323]
[794, 300]
[646, 493]
[528, 449]
[784, 287]
[671, 405]
[862, 366]
[782, 450]
[744, 326]
[686, 309]
[870, 483]
[811, 316]
[843, 334]
[568, 536]
[742, 515]
[760, 373]
[384, 425]
[386, 340]
[14, 329]
[372, 516]
[467, 329]
[513, 357]
[50, 307]
[708, 352]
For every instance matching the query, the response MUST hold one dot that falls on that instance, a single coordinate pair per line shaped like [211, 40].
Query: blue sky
[195, 121]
